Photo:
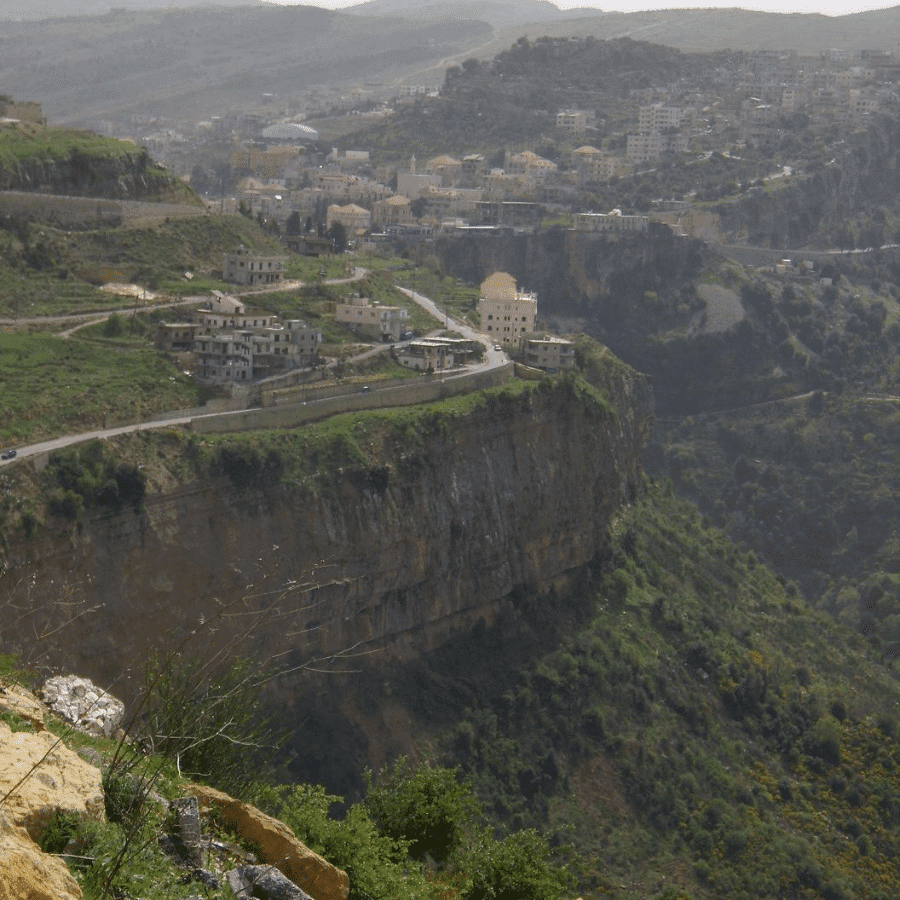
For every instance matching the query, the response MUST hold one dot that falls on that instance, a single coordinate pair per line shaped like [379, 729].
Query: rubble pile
[81, 702]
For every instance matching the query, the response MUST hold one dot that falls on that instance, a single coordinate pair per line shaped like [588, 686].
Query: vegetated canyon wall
[128, 176]
[389, 560]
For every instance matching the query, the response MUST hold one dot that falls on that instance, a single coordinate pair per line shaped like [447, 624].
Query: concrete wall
[408, 393]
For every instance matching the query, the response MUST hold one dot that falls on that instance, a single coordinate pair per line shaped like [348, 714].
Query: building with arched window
[507, 314]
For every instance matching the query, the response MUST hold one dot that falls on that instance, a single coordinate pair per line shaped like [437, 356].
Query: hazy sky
[826, 7]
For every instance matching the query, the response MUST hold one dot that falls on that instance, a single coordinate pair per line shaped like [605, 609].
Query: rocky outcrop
[125, 176]
[15, 699]
[28, 874]
[41, 776]
[249, 882]
[277, 846]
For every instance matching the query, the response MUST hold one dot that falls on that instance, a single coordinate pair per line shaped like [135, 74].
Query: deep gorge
[385, 564]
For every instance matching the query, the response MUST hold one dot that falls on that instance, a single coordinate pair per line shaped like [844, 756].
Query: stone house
[245, 266]
[446, 168]
[392, 211]
[357, 220]
[592, 164]
[424, 355]
[372, 319]
[548, 352]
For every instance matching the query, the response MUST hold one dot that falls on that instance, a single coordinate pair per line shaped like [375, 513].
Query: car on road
[8, 454]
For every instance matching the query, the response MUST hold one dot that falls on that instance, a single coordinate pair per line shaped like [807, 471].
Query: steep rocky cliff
[374, 564]
[129, 175]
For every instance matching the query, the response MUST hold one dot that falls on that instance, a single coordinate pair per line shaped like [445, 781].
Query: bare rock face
[16, 699]
[248, 882]
[42, 776]
[79, 701]
[28, 874]
[430, 536]
[278, 846]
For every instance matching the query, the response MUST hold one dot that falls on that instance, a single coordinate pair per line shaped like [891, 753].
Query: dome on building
[290, 131]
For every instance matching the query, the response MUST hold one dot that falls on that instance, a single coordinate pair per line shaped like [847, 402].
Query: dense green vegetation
[80, 163]
[419, 832]
[702, 733]
[23, 144]
[808, 483]
[705, 730]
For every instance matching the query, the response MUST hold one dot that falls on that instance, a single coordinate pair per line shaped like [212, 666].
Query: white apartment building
[657, 117]
[641, 148]
[507, 314]
[575, 121]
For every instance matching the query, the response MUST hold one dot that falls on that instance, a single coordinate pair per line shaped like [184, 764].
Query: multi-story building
[245, 266]
[392, 211]
[641, 148]
[446, 168]
[610, 222]
[530, 164]
[356, 220]
[231, 342]
[548, 352]
[372, 319]
[657, 117]
[507, 314]
[575, 121]
[592, 164]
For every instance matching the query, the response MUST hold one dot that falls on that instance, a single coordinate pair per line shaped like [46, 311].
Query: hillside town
[280, 169]
[228, 341]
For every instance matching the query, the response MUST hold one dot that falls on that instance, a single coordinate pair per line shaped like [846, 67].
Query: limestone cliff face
[391, 559]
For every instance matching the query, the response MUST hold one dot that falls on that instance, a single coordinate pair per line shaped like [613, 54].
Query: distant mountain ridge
[192, 60]
[12, 10]
[495, 12]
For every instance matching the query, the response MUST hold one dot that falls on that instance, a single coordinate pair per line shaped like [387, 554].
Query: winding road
[492, 359]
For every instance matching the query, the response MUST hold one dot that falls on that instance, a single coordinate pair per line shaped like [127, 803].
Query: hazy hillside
[48, 9]
[497, 13]
[193, 60]
[192, 63]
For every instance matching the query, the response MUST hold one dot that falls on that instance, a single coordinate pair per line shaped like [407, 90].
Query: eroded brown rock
[41, 775]
[16, 699]
[28, 874]
[278, 846]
